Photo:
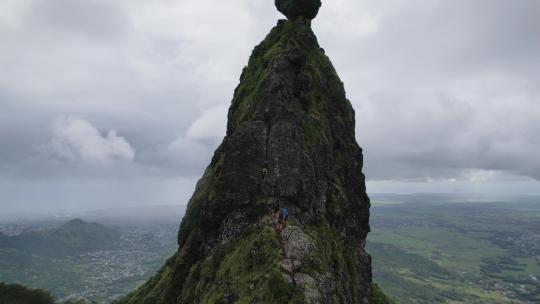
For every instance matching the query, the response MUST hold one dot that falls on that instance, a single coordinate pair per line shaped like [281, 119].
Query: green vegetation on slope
[378, 296]
[247, 268]
[244, 268]
[18, 294]
[248, 271]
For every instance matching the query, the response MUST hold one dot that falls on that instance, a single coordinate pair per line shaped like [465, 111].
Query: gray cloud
[444, 90]
[92, 19]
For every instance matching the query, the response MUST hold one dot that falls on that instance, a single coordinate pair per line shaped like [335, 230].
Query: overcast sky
[107, 103]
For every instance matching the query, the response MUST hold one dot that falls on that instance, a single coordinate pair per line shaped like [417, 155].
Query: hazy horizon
[176, 211]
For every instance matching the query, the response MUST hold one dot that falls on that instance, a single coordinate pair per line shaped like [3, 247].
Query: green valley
[425, 249]
[442, 251]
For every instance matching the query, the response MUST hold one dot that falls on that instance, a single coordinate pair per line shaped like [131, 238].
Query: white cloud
[481, 176]
[186, 153]
[210, 125]
[78, 140]
[191, 151]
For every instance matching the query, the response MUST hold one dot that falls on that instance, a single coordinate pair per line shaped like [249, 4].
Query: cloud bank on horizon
[114, 101]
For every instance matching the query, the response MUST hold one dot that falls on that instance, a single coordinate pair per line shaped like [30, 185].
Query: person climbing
[275, 217]
[264, 170]
[282, 219]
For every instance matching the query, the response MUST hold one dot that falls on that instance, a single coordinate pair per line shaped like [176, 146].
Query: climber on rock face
[275, 217]
[264, 170]
[282, 219]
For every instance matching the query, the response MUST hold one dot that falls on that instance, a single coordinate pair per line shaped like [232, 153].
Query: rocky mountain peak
[290, 143]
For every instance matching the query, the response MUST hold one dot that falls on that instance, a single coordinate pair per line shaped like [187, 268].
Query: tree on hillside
[18, 294]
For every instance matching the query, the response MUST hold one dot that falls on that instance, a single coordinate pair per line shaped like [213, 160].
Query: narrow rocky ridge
[289, 114]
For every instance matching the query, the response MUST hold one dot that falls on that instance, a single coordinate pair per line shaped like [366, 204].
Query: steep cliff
[290, 143]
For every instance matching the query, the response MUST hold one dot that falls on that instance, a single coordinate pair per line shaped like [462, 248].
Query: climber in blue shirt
[283, 218]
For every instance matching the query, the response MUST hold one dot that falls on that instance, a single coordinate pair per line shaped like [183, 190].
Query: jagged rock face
[299, 8]
[289, 115]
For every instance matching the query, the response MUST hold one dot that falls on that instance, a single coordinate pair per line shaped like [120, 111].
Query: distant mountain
[137, 215]
[72, 238]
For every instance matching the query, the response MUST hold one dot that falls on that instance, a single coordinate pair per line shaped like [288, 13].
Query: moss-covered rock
[378, 296]
[290, 119]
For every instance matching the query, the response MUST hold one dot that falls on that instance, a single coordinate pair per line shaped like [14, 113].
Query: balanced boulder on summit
[299, 8]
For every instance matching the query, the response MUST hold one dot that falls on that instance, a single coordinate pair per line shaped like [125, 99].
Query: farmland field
[433, 249]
